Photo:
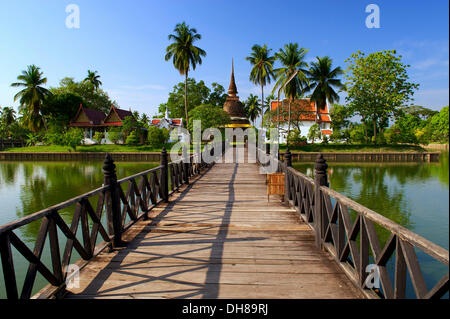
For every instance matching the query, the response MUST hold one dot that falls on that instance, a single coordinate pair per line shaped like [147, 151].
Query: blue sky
[125, 41]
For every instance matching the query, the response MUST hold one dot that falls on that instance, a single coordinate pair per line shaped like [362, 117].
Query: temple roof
[232, 90]
[232, 105]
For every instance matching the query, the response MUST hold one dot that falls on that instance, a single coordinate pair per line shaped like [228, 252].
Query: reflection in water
[414, 195]
[28, 187]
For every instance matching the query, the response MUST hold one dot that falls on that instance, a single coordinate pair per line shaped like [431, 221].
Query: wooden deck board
[217, 238]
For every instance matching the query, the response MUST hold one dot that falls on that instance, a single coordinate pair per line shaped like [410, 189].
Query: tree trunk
[185, 100]
[289, 121]
[374, 131]
[262, 105]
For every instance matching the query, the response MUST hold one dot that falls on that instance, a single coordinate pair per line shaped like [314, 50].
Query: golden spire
[232, 90]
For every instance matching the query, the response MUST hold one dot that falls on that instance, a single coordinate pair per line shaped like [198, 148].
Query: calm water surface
[28, 187]
[414, 195]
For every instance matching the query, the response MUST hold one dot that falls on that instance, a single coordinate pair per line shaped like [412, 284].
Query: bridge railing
[105, 213]
[369, 247]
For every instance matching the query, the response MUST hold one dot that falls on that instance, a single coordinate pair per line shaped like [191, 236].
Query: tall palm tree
[267, 102]
[93, 78]
[184, 54]
[32, 96]
[252, 107]
[262, 72]
[292, 60]
[322, 80]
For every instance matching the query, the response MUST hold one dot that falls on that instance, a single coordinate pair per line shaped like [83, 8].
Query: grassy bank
[84, 148]
[369, 148]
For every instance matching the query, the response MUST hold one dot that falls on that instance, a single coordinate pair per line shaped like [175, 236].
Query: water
[414, 195]
[28, 187]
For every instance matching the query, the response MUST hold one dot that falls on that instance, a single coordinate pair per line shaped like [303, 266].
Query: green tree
[262, 71]
[439, 126]
[7, 116]
[252, 108]
[94, 79]
[157, 137]
[115, 134]
[322, 80]
[133, 138]
[292, 60]
[96, 99]
[60, 108]
[340, 115]
[217, 96]
[32, 96]
[377, 87]
[184, 54]
[314, 132]
[210, 115]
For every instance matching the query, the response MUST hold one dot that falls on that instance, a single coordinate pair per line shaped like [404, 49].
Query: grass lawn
[85, 148]
[354, 148]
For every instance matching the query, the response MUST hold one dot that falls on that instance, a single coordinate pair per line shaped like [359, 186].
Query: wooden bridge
[191, 230]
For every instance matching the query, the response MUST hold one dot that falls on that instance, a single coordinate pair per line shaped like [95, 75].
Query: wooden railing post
[186, 171]
[112, 200]
[165, 175]
[320, 179]
[288, 163]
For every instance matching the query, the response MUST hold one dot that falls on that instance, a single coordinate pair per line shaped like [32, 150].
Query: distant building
[169, 124]
[233, 106]
[96, 121]
[303, 111]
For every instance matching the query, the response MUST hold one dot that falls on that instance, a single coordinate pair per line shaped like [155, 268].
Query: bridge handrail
[114, 206]
[354, 244]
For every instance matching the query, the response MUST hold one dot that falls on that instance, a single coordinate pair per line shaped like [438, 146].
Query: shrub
[115, 134]
[132, 138]
[73, 137]
[157, 137]
[98, 137]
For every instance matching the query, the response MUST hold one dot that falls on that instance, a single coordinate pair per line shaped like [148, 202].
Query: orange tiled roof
[327, 132]
[307, 109]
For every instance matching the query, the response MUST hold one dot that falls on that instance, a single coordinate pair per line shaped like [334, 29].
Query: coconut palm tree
[32, 96]
[8, 116]
[262, 72]
[292, 61]
[252, 107]
[93, 78]
[322, 80]
[184, 54]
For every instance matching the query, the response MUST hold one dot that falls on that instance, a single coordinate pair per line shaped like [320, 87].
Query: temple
[234, 107]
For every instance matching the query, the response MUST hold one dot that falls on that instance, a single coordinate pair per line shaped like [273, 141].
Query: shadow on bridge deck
[217, 238]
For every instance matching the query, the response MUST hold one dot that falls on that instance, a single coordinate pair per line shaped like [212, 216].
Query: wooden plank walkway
[218, 238]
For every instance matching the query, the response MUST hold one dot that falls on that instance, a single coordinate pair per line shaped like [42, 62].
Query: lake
[414, 195]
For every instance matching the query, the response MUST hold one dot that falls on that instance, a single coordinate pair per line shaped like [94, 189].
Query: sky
[125, 42]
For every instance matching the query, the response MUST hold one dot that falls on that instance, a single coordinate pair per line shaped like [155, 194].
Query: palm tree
[184, 54]
[32, 96]
[323, 78]
[262, 71]
[267, 101]
[93, 78]
[292, 61]
[8, 116]
[252, 107]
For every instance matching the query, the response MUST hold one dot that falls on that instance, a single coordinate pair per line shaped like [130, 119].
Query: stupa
[233, 106]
